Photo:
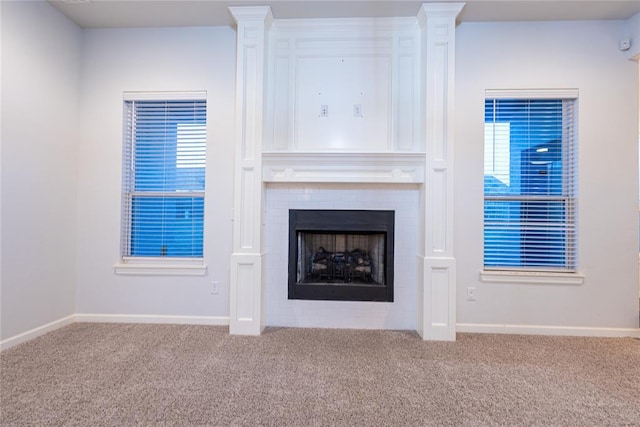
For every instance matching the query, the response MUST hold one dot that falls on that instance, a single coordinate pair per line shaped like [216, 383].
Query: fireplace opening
[341, 255]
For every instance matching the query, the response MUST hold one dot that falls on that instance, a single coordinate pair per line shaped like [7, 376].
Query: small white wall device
[624, 44]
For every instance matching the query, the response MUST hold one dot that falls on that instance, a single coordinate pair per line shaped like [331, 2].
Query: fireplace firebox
[343, 255]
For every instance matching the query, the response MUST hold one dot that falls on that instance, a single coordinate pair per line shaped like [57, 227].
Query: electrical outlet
[324, 110]
[471, 293]
[357, 110]
[214, 287]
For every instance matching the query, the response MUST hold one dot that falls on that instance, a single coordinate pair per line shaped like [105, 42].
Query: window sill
[161, 267]
[533, 277]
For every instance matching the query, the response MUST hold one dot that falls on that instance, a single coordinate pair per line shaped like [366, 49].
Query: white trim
[246, 287]
[573, 331]
[153, 318]
[531, 93]
[392, 168]
[36, 332]
[165, 95]
[341, 25]
[112, 318]
[436, 310]
[476, 328]
[142, 266]
[539, 277]
[262, 14]
[439, 10]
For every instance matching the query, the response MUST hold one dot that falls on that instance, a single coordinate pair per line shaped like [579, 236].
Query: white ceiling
[172, 13]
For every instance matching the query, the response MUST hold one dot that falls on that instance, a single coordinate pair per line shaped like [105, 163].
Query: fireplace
[283, 143]
[342, 255]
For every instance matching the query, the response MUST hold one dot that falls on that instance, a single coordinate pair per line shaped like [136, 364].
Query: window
[163, 177]
[530, 183]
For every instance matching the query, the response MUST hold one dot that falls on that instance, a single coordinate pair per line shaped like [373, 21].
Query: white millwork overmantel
[346, 101]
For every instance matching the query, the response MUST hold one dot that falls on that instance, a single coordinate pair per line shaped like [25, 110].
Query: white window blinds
[530, 184]
[163, 178]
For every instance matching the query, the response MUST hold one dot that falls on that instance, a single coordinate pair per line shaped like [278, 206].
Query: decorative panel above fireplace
[341, 255]
[345, 85]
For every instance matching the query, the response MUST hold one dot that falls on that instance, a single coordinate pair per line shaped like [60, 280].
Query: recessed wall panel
[245, 289]
[440, 99]
[439, 211]
[406, 103]
[343, 103]
[281, 103]
[343, 44]
[439, 296]
[250, 91]
[248, 198]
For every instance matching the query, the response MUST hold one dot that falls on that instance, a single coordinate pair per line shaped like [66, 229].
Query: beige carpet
[148, 375]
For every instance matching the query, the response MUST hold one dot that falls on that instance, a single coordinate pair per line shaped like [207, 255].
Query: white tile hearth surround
[280, 311]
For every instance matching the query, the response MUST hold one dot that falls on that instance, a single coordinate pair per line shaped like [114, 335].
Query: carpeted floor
[147, 375]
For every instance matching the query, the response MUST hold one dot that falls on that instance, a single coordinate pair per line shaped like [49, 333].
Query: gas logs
[345, 266]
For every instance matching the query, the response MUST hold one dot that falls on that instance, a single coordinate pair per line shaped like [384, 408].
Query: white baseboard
[112, 318]
[36, 332]
[574, 331]
[159, 319]
[224, 321]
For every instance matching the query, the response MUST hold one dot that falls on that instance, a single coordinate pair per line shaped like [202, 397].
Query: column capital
[252, 13]
[438, 10]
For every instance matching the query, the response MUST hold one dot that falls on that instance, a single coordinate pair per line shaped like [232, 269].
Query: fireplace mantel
[300, 97]
[340, 167]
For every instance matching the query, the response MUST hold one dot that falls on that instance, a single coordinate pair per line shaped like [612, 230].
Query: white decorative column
[436, 311]
[246, 310]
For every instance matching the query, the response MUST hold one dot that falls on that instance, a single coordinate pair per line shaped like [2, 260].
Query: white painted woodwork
[343, 85]
[385, 168]
[347, 101]
[437, 296]
[245, 311]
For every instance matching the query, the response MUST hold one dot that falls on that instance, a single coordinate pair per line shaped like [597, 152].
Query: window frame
[155, 265]
[532, 274]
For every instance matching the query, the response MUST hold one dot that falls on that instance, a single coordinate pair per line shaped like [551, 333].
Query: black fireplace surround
[341, 255]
